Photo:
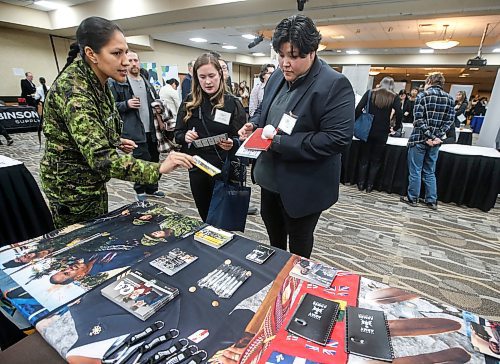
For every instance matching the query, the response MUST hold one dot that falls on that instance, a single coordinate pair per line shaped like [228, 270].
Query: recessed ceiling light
[462, 76]
[258, 54]
[373, 73]
[337, 37]
[427, 32]
[496, 50]
[321, 47]
[426, 50]
[474, 69]
[49, 5]
[339, 50]
[249, 36]
[354, 51]
[229, 47]
[198, 40]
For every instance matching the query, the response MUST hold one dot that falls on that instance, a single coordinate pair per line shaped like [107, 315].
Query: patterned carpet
[450, 255]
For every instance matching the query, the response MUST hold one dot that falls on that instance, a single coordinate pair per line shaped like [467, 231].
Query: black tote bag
[229, 205]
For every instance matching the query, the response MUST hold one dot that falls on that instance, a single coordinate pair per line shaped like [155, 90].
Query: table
[476, 123]
[19, 119]
[460, 170]
[463, 136]
[270, 296]
[23, 213]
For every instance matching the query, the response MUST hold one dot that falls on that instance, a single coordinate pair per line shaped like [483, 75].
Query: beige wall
[29, 51]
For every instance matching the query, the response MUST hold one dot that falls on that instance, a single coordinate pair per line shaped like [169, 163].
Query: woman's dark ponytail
[74, 50]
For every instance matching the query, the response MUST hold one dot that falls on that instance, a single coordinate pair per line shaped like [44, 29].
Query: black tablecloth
[464, 138]
[23, 211]
[19, 119]
[473, 181]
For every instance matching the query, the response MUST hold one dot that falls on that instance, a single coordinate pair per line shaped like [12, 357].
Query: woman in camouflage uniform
[82, 127]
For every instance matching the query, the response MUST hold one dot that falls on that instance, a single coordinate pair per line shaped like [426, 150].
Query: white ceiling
[371, 26]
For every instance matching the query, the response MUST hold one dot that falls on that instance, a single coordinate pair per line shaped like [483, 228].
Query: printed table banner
[19, 118]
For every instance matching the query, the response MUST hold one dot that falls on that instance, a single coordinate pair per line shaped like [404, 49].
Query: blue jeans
[422, 160]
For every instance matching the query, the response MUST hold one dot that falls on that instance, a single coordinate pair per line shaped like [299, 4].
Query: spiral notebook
[314, 318]
[368, 334]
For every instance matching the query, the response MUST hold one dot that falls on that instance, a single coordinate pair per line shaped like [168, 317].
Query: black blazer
[27, 89]
[307, 162]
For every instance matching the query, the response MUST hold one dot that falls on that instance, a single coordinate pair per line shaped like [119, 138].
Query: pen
[189, 144]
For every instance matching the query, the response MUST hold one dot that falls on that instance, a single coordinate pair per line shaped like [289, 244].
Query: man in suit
[28, 89]
[186, 83]
[312, 107]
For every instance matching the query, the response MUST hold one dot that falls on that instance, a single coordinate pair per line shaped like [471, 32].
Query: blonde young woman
[460, 107]
[209, 110]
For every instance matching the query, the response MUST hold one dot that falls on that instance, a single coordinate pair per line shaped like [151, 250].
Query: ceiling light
[227, 46]
[321, 47]
[354, 51]
[427, 32]
[258, 54]
[337, 37]
[462, 76]
[474, 69]
[445, 43]
[339, 50]
[496, 50]
[426, 50]
[256, 41]
[249, 36]
[198, 40]
[373, 73]
[49, 5]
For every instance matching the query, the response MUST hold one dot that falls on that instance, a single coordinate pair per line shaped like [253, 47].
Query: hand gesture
[174, 160]
[127, 145]
[226, 144]
[245, 131]
[134, 103]
[190, 136]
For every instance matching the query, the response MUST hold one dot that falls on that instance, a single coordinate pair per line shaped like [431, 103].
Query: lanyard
[145, 347]
[182, 344]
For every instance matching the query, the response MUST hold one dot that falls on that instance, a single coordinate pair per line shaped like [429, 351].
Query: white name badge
[222, 117]
[287, 123]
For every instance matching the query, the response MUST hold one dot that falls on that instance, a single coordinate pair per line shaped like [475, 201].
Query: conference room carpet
[451, 255]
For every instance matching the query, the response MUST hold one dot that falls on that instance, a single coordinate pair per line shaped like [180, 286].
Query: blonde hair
[197, 91]
[383, 96]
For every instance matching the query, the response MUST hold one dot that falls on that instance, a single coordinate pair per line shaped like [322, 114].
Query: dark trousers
[279, 225]
[147, 152]
[202, 187]
[370, 160]
[3, 132]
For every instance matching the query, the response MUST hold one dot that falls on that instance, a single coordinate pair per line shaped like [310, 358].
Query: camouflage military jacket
[82, 128]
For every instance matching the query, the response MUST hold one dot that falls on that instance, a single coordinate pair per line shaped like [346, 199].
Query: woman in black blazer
[382, 102]
[208, 110]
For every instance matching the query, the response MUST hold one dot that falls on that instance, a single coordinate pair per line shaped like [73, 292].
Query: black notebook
[314, 318]
[368, 334]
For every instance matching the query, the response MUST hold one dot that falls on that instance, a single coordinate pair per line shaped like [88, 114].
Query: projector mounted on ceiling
[478, 61]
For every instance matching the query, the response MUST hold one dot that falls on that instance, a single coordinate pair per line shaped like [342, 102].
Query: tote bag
[229, 205]
[363, 123]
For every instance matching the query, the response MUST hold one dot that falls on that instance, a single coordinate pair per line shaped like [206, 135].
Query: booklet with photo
[485, 339]
[367, 334]
[314, 318]
[174, 261]
[260, 254]
[213, 236]
[313, 272]
[139, 293]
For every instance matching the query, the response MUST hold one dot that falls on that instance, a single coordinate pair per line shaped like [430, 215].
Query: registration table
[19, 119]
[466, 175]
[23, 213]
[462, 135]
[249, 327]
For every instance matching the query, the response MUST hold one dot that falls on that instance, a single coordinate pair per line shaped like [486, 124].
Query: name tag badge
[287, 123]
[222, 117]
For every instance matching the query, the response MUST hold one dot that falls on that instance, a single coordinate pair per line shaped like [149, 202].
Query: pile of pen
[225, 280]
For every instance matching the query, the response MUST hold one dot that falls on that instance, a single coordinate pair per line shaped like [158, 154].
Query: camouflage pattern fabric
[83, 127]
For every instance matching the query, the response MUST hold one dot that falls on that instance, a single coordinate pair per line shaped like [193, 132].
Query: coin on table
[192, 289]
[215, 303]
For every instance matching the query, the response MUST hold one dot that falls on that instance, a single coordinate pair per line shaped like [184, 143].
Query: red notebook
[255, 141]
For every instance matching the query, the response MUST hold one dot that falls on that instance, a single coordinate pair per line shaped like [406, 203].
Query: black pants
[370, 160]
[279, 225]
[147, 152]
[3, 132]
[202, 187]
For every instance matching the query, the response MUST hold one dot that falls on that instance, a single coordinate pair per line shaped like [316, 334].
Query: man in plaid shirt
[434, 114]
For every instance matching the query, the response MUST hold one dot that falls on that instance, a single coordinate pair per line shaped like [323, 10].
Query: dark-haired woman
[460, 107]
[383, 101]
[209, 110]
[82, 128]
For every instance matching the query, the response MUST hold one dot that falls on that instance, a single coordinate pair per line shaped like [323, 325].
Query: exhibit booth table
[83, 326]
[466, 175]
[462, 135]
[19, 119]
